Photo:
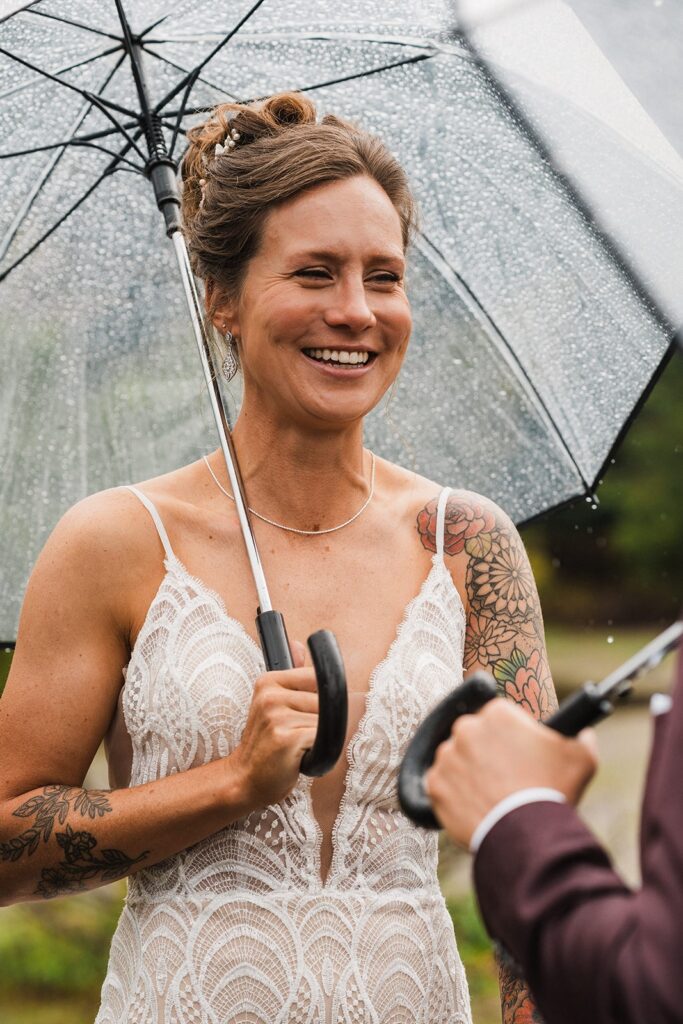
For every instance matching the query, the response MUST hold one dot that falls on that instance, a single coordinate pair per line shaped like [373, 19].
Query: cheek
[403, 334]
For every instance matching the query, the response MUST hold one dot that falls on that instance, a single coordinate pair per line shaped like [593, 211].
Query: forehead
[348, 216]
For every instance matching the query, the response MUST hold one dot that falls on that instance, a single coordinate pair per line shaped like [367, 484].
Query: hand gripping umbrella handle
[585, 707]
[331, 681]
[476, 691]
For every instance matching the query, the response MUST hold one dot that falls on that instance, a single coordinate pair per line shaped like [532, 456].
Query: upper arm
[504, 633]
[71, 647]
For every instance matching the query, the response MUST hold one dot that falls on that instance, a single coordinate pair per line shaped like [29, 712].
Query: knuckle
[464, 726]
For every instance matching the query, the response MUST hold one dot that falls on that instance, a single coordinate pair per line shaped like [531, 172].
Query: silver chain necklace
[292, 529]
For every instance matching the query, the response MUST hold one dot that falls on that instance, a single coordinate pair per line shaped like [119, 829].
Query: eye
[313, 272]
[387, 277]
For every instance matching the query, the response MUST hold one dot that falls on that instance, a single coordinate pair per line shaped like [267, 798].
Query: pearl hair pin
[231, 140]
[229, 143]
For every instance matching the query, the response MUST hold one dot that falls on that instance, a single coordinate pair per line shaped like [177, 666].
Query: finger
[298, 679]
[301, 700]
[298, 653]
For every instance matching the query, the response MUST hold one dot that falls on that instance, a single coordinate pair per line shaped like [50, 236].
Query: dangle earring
[230, 364]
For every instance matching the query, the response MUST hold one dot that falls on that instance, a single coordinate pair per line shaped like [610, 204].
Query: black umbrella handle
[331, 681]
[585, 707]
[476, 691]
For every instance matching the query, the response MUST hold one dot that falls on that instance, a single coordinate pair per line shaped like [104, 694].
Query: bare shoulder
[105, 529]
[469, 521]
[100, 554]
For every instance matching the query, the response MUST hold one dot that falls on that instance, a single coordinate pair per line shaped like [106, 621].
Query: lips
[339, 356]
[332, 368]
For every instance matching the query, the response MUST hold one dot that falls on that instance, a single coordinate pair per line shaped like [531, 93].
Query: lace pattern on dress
[240, 929]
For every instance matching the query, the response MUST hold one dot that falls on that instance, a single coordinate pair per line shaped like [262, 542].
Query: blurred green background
[610, 579]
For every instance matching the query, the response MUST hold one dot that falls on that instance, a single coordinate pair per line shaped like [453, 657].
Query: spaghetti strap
[441, 520]
[151, 508]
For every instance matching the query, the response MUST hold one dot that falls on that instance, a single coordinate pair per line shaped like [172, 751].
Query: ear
[221, 311]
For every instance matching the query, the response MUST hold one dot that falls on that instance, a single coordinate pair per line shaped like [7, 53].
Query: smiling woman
[255, 893]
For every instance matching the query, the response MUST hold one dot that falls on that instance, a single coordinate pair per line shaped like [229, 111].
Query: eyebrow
[332, 255]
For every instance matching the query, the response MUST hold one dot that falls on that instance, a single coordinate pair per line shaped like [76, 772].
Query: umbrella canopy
[533, 340]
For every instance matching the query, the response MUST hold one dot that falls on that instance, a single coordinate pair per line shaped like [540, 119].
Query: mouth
[348, 361]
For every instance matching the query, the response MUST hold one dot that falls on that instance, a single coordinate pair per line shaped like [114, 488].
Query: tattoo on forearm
[516, 1002]
[504, 627]
[82, 862]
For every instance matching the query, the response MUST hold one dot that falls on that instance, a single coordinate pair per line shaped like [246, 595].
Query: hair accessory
[230, 364]
[292, 529]
[231, 140]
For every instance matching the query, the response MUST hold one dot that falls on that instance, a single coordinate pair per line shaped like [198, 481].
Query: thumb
[589, 739]
[298, 653]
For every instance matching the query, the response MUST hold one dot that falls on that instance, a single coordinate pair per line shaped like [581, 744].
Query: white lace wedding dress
[239, 929]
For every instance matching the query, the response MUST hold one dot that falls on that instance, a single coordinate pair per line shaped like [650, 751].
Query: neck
[306, 480]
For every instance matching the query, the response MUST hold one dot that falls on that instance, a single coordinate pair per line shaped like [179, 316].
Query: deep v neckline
[174, 565]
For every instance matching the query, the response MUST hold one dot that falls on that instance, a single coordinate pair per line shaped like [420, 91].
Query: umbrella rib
[41, 180]
[430, 251]
[179, 67]
[317, 85]
[57, 223]
[192, 75]
[355, 77]
[61, 71]
[76, 24]
[79, 140]
[109, 169]
[153, 25]
[75, 141]
[99, 102]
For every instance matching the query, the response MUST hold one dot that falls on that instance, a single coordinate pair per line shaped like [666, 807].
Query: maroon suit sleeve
[592, 950]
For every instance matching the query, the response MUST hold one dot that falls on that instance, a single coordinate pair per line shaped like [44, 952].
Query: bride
[256, 894]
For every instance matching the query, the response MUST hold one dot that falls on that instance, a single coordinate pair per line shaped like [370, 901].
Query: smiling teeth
[334, 356]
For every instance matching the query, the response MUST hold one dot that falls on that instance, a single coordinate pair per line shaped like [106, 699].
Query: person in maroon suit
[592, 950]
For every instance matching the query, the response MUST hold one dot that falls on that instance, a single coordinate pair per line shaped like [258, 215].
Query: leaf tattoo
[80, 863]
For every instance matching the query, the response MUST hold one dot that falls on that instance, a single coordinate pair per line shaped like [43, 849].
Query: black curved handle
[476, 691]
[333, 710]
[585, 707]
[331, 680]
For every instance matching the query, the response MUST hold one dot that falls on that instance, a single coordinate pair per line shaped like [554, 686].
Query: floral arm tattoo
[82, 862]
[504, 636]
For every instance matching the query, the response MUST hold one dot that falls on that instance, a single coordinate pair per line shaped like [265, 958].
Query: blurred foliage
[476, 952]
[53, 957]
[622, 561]
[5, 662]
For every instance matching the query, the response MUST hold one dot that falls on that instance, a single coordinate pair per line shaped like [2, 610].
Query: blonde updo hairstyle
[282, 151]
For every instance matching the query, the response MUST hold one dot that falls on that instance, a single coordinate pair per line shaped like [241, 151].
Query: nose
[349, 306]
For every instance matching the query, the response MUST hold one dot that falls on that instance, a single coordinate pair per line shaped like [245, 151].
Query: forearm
[516, 1001]
[59, 839]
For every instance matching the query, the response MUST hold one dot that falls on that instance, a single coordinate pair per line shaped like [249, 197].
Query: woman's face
[325, 287]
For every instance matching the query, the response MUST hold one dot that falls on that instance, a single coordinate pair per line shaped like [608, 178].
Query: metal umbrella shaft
[161, 169]
[220, 417]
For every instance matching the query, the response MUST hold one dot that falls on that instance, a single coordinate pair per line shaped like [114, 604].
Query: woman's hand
[282, 724]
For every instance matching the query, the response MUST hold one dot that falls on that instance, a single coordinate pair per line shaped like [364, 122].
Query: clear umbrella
[535, 336]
